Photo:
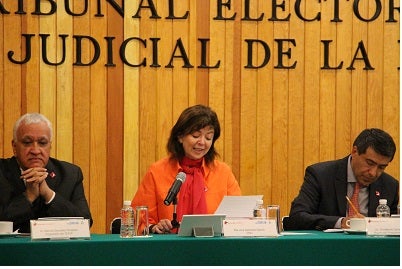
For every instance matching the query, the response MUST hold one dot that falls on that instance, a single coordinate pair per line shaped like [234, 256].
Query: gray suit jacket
[321, 200]
[64, 178]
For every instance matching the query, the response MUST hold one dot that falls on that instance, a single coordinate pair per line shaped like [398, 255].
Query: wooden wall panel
[226, 86]
[30, 99]
[233, 91]
[64, 88]
[294, 163]
[48, 73]
[391, 85]
[342, 48]
[359, 76]
[131, 108]
[375, 49]
[194, 47]
[217, 89]
[327, 89]
[264, 106]
[12, 84]
[203, 17]
[81, 102]
[167, 90]
[248, 106]
[180, 76]
[312, 47]
[98, 124]
[114, 121]
[148, 103]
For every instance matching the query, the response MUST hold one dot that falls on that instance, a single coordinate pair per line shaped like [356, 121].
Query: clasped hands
[35, 183]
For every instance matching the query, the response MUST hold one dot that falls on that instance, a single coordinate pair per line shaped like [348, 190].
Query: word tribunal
[278, 9]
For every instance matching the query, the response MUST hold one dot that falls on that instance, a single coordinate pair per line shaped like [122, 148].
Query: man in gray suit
[34, 185]
[321, 203]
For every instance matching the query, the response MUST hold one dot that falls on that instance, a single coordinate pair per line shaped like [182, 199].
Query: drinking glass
[141, 221]
[273, 213]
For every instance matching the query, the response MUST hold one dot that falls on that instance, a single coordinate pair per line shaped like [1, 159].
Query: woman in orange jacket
[207, 180]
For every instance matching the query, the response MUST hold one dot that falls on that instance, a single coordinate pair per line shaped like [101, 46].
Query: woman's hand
[162, 227]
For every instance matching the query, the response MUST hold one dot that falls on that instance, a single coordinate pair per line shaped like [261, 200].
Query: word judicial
[283, 53]
[278, 9]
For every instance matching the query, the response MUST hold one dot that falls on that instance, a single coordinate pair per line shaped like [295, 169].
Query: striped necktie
[354, 200]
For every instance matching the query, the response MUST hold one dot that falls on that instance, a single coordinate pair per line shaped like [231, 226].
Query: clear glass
[141, 221]
[273, 214]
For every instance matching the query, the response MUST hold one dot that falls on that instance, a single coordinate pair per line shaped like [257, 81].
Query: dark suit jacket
[64, 178]
[322, 197]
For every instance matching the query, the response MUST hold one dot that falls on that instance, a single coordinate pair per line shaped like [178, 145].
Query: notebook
[189, 222]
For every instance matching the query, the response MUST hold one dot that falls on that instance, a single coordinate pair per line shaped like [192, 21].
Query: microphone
[180, 178]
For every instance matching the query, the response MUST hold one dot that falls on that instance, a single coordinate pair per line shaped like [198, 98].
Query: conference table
[291, 248]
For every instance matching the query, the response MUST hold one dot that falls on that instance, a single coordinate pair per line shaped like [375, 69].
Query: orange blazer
[219, 181]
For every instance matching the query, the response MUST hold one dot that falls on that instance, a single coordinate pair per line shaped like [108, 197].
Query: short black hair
[377, 139]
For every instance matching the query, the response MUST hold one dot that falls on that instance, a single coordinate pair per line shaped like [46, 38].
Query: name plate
[250, 227]
[383, 226]
[63, 228]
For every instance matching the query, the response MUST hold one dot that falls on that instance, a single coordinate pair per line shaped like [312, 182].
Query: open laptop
[200, 222]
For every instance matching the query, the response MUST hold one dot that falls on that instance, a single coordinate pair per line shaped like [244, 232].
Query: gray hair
[30, 118]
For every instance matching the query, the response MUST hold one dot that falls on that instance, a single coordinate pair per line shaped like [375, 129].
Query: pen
[353, 207]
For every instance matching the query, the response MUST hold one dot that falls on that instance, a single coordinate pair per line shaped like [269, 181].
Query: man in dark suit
[34, 185]
[321, 203]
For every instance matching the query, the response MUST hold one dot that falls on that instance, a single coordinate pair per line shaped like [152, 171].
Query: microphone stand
[175, 223]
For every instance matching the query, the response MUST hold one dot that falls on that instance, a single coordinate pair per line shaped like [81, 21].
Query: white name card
[64, 228]
[249, 227]
[383, 226]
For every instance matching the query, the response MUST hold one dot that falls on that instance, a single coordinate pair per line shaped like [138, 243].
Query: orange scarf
[192, 193]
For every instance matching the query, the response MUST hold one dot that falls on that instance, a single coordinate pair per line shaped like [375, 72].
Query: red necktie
[355, 200]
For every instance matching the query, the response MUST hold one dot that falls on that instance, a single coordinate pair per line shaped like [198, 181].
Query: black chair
[115, 226]
[285, 223]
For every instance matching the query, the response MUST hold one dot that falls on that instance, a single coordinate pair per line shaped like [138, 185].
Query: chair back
[115, 226]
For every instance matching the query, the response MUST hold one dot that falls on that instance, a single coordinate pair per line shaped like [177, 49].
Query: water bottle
[127, 221]
[383, 210]
[259, 210]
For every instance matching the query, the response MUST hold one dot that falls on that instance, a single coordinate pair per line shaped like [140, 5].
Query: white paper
[294, 233]
[59, 218]
[333, 231]
[250, 228]
[60, 228]
[238, 206]
[383, 226]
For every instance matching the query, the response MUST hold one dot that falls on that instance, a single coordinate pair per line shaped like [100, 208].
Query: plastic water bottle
[383, 210]
[127, 221]
[259, 210]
